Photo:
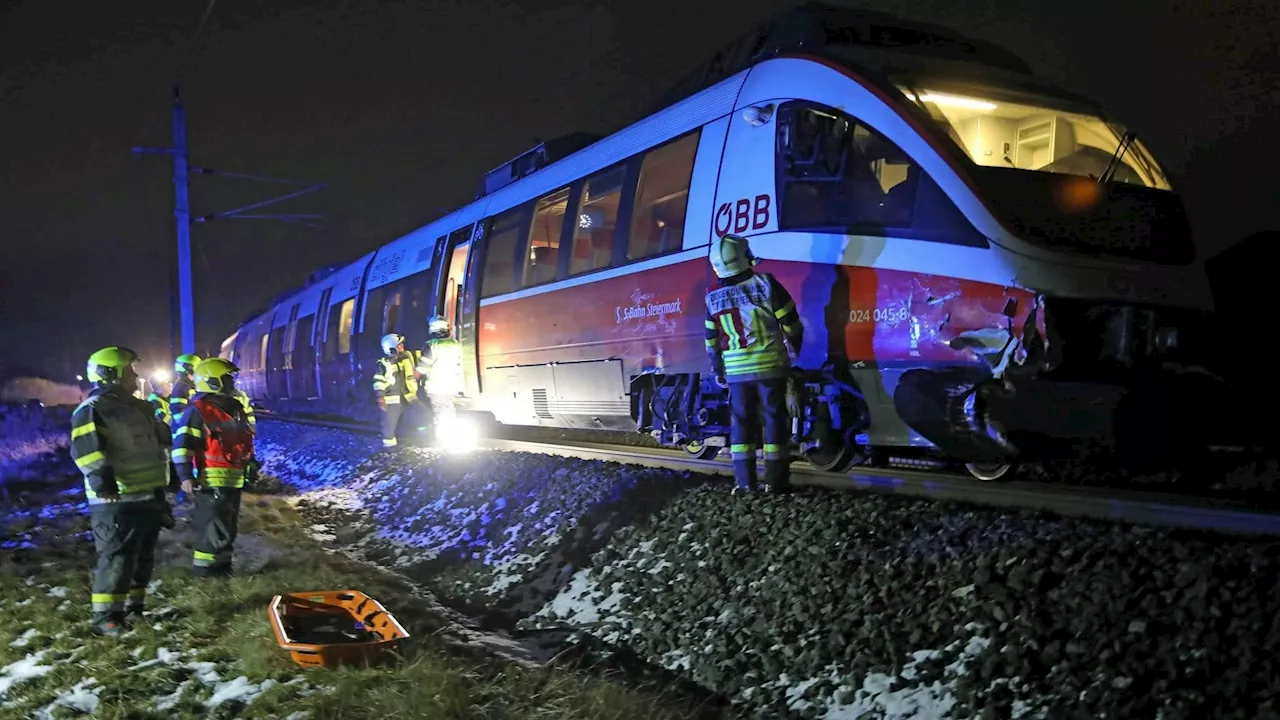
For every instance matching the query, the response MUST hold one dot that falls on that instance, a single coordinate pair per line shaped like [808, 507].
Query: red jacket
[213, 441]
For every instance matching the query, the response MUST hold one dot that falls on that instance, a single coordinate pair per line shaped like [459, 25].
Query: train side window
[414, 324]
[374, 315]
[597, 221]
[662, 195]
[346, 315]
[262, 350]
[543, 258]
[505, 233]
[331, 332]
[838, 174]
[391, 313]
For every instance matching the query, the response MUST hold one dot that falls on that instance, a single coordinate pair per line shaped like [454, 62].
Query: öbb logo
[742, 215]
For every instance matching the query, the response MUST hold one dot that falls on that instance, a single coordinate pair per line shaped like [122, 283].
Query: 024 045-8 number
[889, 314]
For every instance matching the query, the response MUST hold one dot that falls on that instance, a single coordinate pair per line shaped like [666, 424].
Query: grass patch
[206, 648]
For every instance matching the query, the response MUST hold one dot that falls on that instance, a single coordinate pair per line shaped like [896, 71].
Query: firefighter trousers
[216, 520]
[759, 417]
[391, 416]
[124, 534]
[443, 413]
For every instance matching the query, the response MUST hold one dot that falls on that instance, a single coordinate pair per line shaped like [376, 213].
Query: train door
[318, 342]
[458, 301]
[288, 383]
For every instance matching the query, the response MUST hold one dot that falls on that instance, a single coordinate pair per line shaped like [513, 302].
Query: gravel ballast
[817, 604]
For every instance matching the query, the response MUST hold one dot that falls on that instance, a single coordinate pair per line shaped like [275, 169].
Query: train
[988, 269]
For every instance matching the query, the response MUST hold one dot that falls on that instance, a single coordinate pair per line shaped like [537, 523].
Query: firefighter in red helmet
[214, 456]
[753, 332]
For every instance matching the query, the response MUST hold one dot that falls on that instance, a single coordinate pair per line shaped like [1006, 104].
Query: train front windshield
[1036, 134]
[1038, 161]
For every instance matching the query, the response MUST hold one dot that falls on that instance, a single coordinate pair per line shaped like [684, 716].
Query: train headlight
[161, 375]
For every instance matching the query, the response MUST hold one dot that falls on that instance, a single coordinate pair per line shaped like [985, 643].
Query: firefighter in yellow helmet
[213, 452]
[753, 332]
[395, 385]
[121, 449]
[440, 365]
[183, 384]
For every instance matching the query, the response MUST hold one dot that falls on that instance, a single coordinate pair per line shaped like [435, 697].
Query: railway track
[1137, 507]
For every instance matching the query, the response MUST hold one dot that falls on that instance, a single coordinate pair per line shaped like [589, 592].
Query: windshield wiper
[1125, 141]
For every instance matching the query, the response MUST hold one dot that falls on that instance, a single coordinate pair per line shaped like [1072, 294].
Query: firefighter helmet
[390, 343]
[186, 364]
[731, 255]
[216, 375]
[438, 326]
[108, 365]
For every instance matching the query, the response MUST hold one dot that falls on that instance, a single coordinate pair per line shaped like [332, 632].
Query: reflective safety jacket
[441, 364]
[212, 441]
[243, 397]
[397, 379]
[748, 317]
[161, 405]
[181, 394]
[118, 445]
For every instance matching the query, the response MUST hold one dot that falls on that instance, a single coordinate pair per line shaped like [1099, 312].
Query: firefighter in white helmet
[441, 367]
[395, 385]
[753, 332]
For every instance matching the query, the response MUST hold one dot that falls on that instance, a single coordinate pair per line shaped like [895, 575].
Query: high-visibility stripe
[124, 498]
[389, 442]
[180, 453]
[741, 451]
[726, 324]
[91, 460]
[782, 312]
[772, 451]
[188, 430]
[108, 602]
[392, 399]
[84, 430]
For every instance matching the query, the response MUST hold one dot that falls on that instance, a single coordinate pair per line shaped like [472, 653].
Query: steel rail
[1128, 506]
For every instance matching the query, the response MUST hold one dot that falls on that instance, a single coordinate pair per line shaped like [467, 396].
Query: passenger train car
[984, 265]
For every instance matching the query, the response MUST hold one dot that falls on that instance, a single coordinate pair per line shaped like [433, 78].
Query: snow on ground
[22, 670]
[208, 684]
[26, 436]
[509, 524]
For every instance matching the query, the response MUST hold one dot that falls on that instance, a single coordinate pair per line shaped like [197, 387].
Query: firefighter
[183, 386]
[395, 386]
[121, 449]
[441, 366]
[213, 452]
[753, 332]
[159, 399]
[247, 404]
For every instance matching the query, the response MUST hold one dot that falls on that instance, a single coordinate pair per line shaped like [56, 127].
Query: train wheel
[831, 458]
[989, 470]
[700, 451]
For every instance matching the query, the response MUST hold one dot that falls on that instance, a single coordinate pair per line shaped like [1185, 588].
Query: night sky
[401, 107]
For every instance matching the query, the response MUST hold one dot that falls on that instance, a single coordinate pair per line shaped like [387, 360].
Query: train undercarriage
[1127, 389]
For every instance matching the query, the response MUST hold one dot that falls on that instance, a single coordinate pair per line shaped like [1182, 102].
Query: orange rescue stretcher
[333, 627]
